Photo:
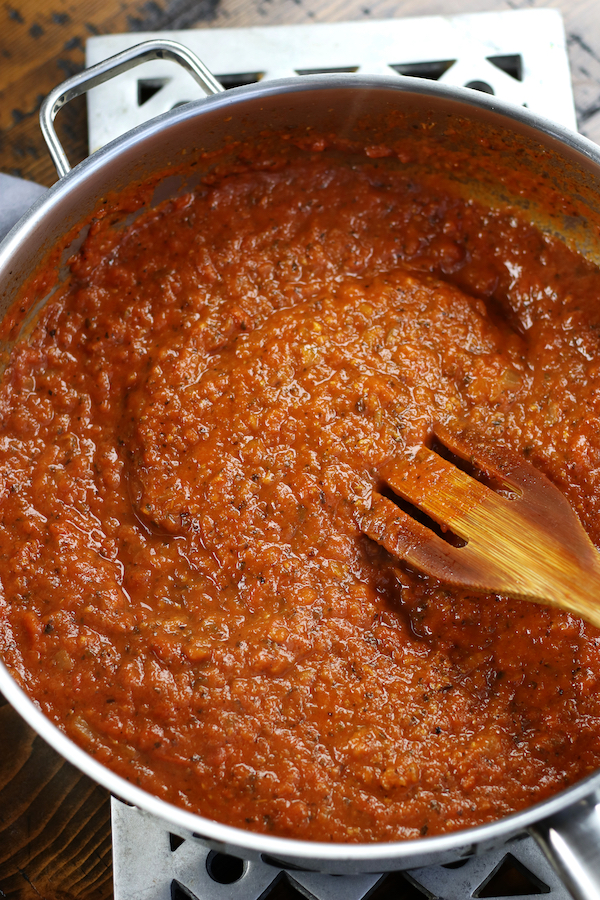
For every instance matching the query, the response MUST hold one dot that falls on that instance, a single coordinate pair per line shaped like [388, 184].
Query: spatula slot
[495, 482]
[420, 516]
[465, 465]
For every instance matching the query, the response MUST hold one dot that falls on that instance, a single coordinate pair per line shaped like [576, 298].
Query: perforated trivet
[150, 863]
[517, 55]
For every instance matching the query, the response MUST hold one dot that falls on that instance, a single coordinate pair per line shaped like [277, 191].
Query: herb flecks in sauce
[188, 440]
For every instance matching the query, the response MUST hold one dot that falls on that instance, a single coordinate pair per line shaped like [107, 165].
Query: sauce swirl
[188, 440]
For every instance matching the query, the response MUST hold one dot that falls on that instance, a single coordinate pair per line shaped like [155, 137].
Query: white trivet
[520, 56]
[152, 864]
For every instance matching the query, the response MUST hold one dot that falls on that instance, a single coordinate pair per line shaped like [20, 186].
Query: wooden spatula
[520, 538]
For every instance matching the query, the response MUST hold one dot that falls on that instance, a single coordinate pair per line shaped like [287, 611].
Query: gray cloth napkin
[16, 196]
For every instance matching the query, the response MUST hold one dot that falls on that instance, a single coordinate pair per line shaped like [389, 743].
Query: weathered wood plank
[54, 822]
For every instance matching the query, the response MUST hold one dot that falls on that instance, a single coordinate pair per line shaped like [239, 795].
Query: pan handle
[107, 69]
[571, 841]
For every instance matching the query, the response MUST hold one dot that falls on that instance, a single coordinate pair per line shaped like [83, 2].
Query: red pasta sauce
[190, 436]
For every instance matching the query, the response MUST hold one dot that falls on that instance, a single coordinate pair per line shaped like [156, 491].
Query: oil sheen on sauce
[189, 438]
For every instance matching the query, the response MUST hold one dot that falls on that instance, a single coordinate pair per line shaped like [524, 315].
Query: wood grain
[54, 822]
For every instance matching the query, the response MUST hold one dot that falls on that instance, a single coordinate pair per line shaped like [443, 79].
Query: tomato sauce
[190, 436]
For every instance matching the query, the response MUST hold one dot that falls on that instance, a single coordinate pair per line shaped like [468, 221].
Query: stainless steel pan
[497, 151]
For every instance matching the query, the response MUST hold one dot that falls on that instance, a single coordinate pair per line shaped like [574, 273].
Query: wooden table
[54, 822]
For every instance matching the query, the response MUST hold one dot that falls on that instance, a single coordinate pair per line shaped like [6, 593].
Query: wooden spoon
[521, 539]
